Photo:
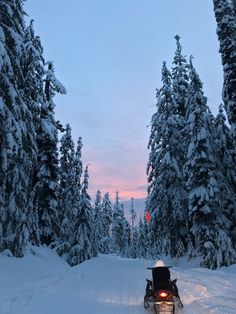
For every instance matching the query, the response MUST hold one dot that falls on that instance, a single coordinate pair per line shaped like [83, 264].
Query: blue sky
[108, 54]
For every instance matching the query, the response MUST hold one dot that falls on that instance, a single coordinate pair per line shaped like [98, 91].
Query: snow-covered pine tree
[180, 79]
[118, 226]
[224, 150]
[98, 221]
[155, 244]
[83, 245]
[78, 171]
[67, 191]
[133, 217]
[155, 156]
[134, 247]
[17, 144]
[191, 252]
[106, 224]
[142, 241]
[126, 249]
[180, 87]
[33, 72]
[166, 194]
[133, 214]
[225, 13]
[207, 220]
[7, 99]
[47, 171]
[226, 30]
[234, 6]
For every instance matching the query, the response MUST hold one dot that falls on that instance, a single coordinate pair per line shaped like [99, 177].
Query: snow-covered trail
[45, 284]
[214, 291]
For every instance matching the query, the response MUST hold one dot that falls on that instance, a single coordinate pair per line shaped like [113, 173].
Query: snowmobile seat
[161, 278]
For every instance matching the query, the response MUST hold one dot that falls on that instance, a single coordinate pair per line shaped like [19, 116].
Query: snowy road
[44, 284]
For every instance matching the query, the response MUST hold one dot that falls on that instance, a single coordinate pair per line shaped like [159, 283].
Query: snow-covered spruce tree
[225, 13]
[106, 224]
[133, 214]
[83, 245]
[166, 193]
[78, 171]
[133, 217]
[153, 245]
[224, 148]
[134, 246]
[234, 7]
[226, 30]
[33, 72]
[180, 87]
[180, 80]
[6, 117]
[142, 241]
[46, 200]
[126, 249]
[118, 226]
[208, 223]
[67, 191]
[157, 244]
[98, 221]
[17, 144]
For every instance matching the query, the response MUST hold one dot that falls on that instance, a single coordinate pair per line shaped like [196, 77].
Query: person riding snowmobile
[161, 280]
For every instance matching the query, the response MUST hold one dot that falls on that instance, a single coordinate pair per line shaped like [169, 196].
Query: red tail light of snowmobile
[163, 294]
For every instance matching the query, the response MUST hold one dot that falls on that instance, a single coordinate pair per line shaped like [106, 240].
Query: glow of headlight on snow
[118, 301]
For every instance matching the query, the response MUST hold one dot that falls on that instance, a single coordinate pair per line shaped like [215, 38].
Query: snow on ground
[44, 284]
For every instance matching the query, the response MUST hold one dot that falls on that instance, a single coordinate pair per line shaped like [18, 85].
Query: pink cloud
[108, 179]
[117, 163]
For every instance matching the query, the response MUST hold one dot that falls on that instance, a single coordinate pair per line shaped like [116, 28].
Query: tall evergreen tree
[98, 221]
[226, 30]
[225, 13]
[155, 244]
[208, 224]
[180, 79]
[180, 83]
[133, 217]
[33, 71]
[135, 243]
[118, 226]
[67, 190]
[47, 172]
[234, 7]
[6, 117]
[224, 148]
[78, 171]
[132, 213]
[83, 245]
[166, 191]
[127, 247]
[106, 223]
[17, 143]
[142, 240]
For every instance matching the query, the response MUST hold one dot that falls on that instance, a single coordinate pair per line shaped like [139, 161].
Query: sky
[109, 54]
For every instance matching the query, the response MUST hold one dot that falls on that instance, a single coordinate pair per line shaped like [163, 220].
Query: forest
[191, 171]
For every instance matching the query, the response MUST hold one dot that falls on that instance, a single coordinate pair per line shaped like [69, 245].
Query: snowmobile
[162, 292]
